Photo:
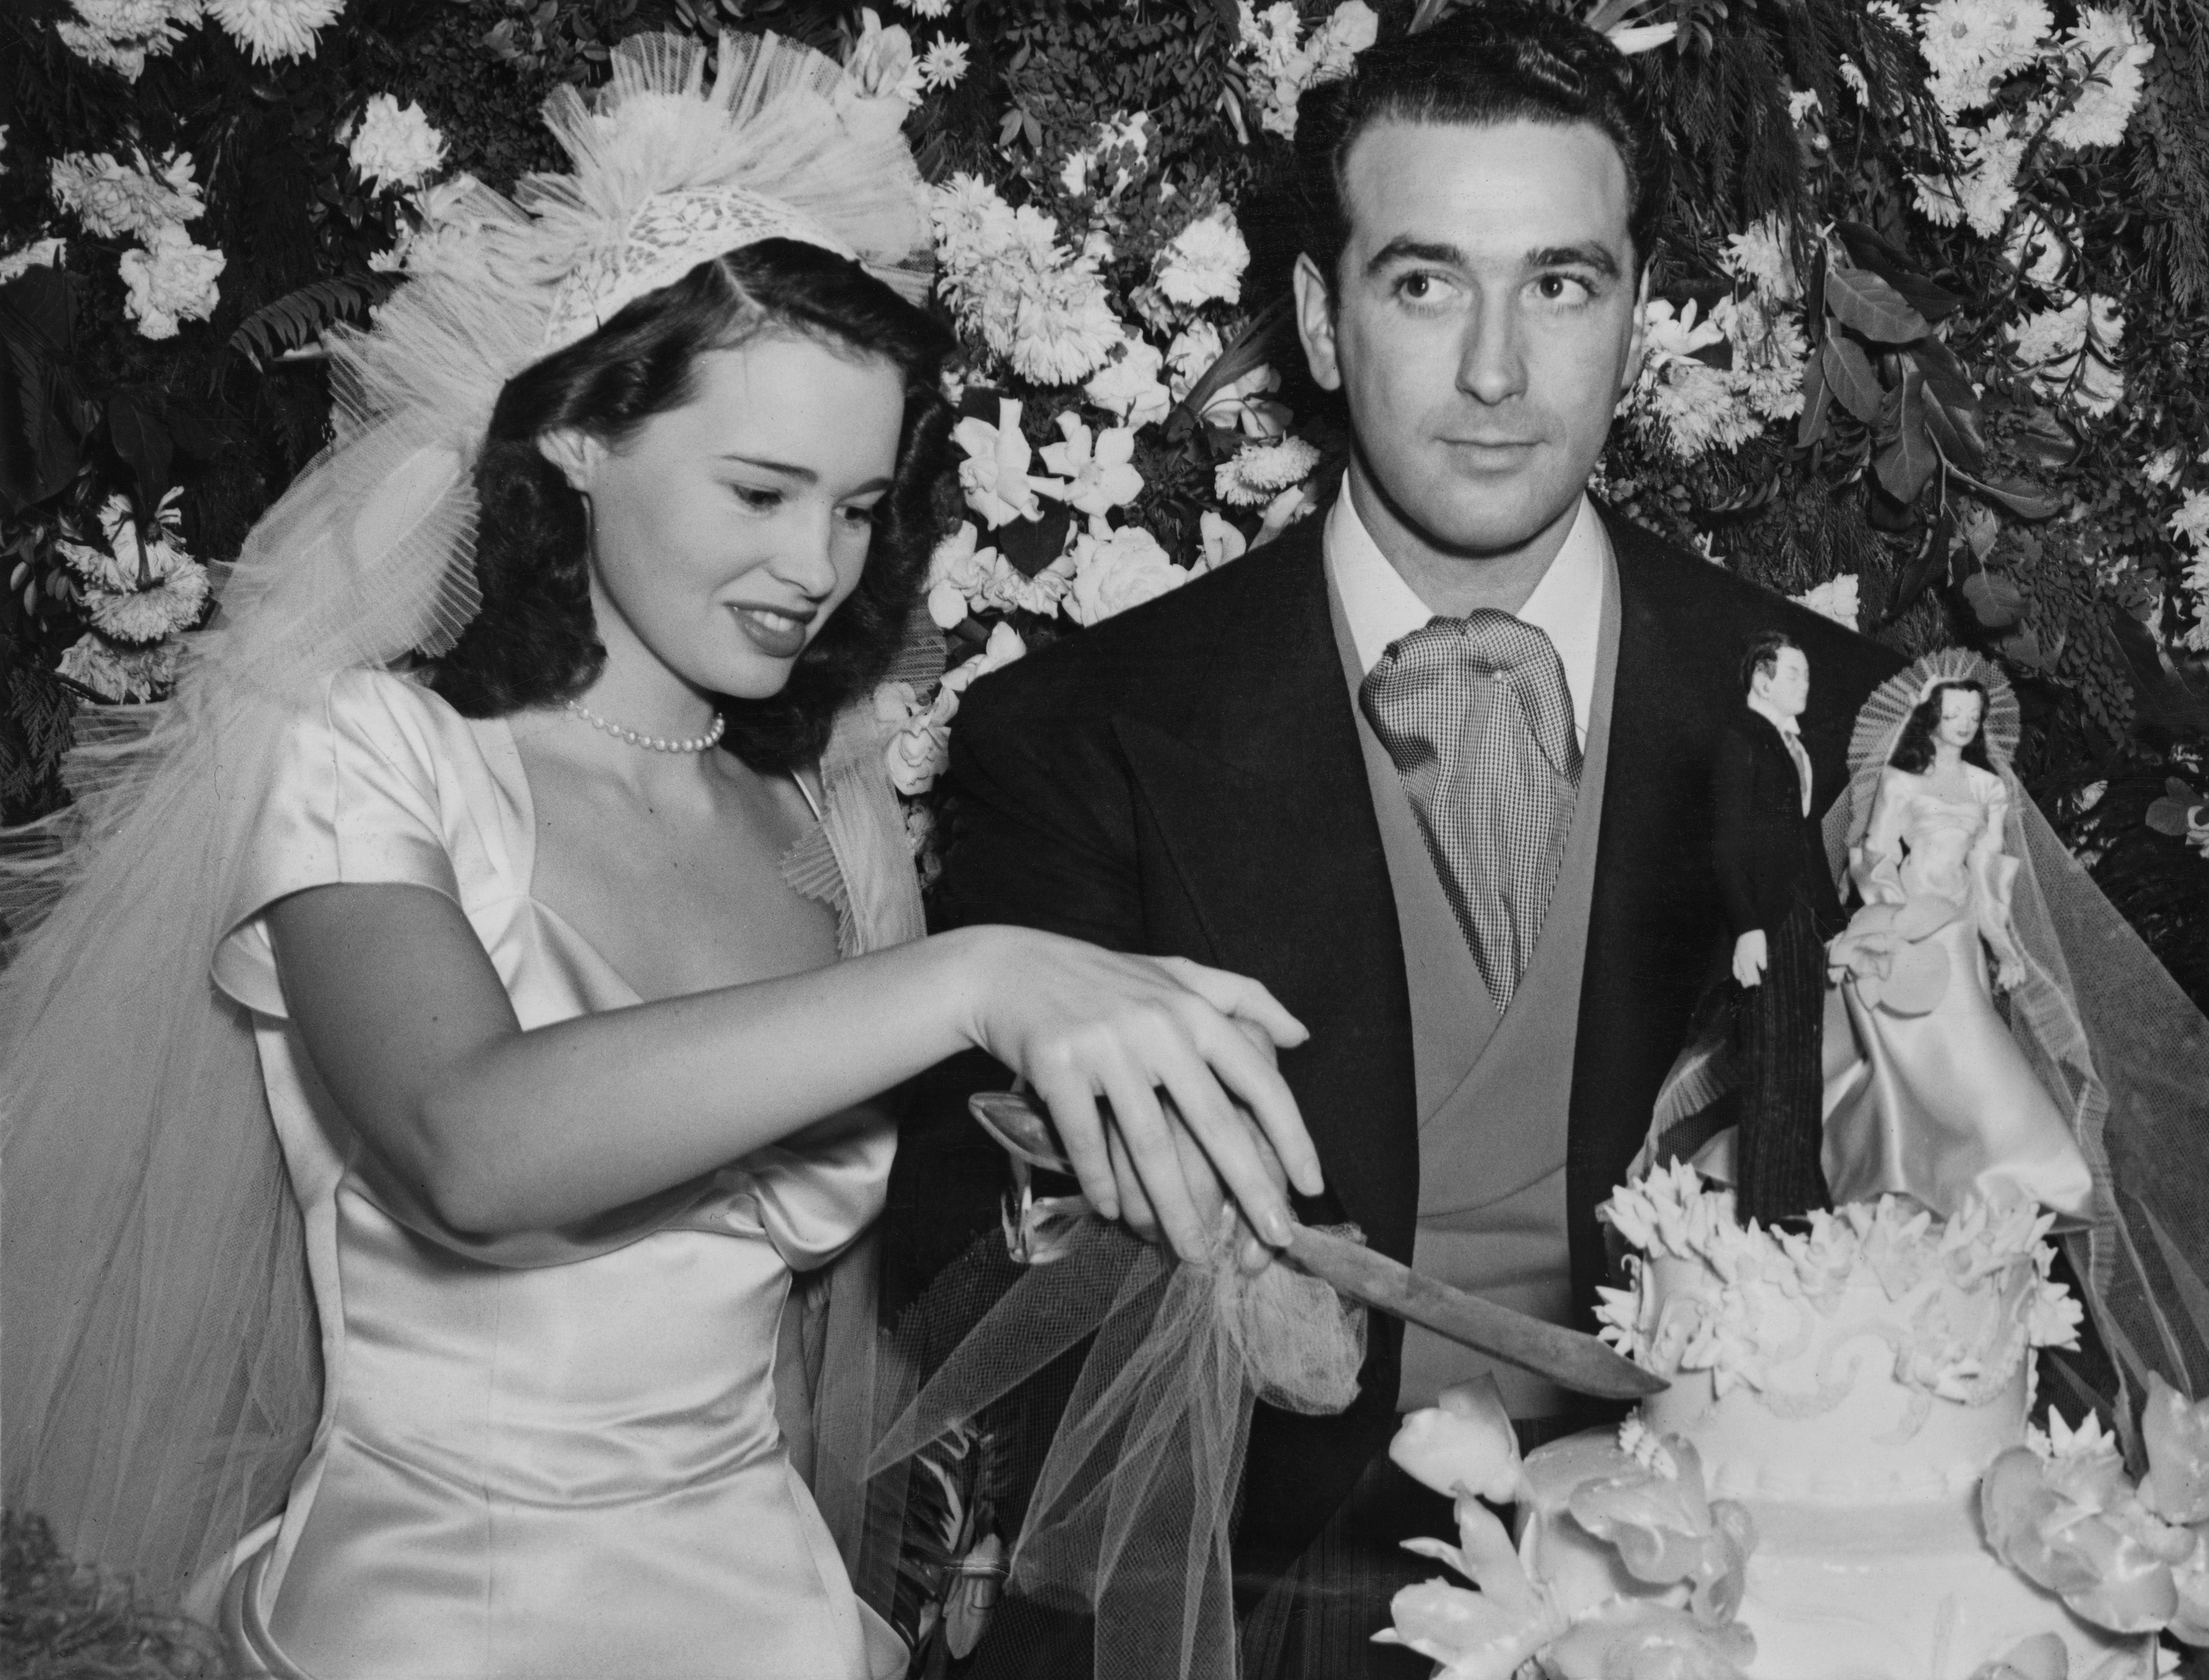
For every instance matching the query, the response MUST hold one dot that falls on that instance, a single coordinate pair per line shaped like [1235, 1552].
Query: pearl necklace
[653, 743]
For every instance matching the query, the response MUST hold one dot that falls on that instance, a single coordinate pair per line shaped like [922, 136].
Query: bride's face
[1959, 717]
[724, 533]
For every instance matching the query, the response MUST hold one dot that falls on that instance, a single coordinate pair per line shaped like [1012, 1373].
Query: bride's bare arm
[501, 1129]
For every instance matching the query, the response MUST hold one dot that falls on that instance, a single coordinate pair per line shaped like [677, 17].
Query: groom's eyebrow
[1595, 256]
[1404, 249]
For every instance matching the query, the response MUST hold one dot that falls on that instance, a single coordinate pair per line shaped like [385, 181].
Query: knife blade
[1567, 1358]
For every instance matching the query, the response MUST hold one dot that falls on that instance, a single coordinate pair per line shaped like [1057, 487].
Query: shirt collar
[1778, 719]
[1566, 604]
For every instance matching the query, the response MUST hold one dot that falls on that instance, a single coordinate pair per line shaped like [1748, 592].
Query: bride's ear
[574, 452]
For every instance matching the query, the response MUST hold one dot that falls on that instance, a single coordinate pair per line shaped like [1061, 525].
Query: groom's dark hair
[1491, 64]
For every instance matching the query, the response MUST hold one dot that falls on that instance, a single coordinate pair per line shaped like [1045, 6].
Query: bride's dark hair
[534, 642]
[1913, 749]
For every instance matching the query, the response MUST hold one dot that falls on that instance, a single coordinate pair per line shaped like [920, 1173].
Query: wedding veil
[159, 1381]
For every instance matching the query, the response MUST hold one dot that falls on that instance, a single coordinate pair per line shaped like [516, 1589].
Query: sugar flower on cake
[2130, 1557]
[138, 588]
[995, 472]
[114, 199]
[1128, 385]
[2105, 52]
[1667, 1530]
[171, 281]
[1093, 466]
[1114, 570]
[1463, 1443]
[393, 145]
[122, 34]
[1261, 472]
[273, 29]
[1204, 263]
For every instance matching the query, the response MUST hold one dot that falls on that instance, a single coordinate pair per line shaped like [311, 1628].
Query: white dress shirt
[1791, 731]
[1566, 604]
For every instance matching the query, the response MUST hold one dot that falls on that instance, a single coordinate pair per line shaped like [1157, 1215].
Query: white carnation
[1837, 598]
[1204, 261]
[1114, 570]
[123, 34]
[274, 29]
[394, 146]
[113, 199]
[170, 281]
[121, 675]
[1259, 471]
[38, 254]
[2106, 49]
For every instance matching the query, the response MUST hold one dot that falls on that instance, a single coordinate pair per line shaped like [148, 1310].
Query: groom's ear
[1315, 323]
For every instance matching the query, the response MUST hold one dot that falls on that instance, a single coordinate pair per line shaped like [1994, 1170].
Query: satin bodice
[1938, 835]
[548, 1454]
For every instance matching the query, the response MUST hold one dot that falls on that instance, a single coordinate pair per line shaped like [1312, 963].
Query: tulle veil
[160, 1380]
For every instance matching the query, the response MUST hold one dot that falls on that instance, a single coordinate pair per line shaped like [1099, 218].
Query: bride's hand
[1079, 1022]
[2009, 973]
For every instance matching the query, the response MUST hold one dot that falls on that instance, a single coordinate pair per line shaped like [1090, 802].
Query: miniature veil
[2108, 1032]
[160, 1378]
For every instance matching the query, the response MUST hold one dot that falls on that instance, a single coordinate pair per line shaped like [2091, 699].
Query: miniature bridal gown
[1926, 1093]
[547, 1455]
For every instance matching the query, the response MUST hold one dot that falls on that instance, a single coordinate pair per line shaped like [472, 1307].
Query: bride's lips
[777, 634]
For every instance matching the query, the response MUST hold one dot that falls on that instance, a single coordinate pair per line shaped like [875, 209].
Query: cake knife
[1566, 1358]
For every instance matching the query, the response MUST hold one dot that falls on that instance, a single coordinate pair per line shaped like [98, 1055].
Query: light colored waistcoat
[1493, 1093]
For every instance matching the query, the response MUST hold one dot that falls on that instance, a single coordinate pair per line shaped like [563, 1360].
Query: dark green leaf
[1859, 298]
[2168, 816]
[142, 438]
[1867, 249]
[1848, 370]
[1250, 348]
[1905, 465]
[1931, 557]
[1996, 601]
[295, 317]
[2019, 499]
[1817, 405]
[1957, 434]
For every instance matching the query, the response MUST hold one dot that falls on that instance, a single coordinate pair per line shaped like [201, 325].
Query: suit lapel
[1257, 794]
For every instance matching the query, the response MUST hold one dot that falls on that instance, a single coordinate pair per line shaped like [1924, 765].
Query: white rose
[1115, 570]
[1463, 1444]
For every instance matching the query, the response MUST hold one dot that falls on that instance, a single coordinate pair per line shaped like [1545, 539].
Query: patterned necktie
[1475, 714]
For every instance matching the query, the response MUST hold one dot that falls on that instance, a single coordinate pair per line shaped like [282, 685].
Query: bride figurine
[1929, 1091]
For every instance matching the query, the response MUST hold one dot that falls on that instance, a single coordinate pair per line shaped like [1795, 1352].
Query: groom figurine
[1782, 907]
[1435, 767]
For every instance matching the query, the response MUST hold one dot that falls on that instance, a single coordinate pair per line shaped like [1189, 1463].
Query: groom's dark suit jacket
[1186, 779]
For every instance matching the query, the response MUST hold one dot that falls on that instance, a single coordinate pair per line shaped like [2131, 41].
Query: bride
[1927, 1092]
[536, 950]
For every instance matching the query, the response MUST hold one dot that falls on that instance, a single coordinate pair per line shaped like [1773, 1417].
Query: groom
[1434, 766]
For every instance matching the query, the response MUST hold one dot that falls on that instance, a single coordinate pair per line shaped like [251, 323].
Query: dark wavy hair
[1502, 62]
[1761, 652]
[534, 640]
[1913, 751]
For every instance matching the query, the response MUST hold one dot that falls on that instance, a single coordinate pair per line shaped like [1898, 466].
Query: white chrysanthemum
[1700, 409]
[1769, 349]
[927, 8]
[944, 64]
[2071, 352]
[1114, 570]
[1970, 45]
[1204, 261]
[1852, 77]
[1064, 329]
[274, 29]
[395, 145]
[38, 254]
[1259, 471]
[121, 675]
[170, 281]
[1985, 190]
[2106, 48]
[2190, 524]
[113, 199]
[1836, 598]
[1761, 257]
[123, 34]
[1801, 102]
[1128, 386]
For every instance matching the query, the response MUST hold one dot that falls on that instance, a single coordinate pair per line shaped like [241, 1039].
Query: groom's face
[1482, 321]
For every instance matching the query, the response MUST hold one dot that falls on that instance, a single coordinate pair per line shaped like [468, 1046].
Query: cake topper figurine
[1780, 906]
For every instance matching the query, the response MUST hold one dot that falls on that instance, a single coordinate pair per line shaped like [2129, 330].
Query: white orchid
[995, 474]
[1094, 465]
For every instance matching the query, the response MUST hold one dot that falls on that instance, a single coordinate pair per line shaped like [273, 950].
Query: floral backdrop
[1929, 334]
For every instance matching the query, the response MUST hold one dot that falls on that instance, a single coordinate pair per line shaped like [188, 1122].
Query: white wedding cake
[1804, 1502]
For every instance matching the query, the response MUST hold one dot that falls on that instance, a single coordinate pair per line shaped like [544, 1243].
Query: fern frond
[297, 318]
